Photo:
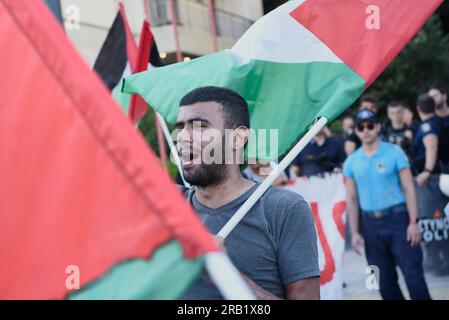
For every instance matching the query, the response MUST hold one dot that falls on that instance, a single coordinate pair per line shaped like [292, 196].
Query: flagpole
[159, 133]
[175, 30]
[249, 203]
[227, 278]
[173, 150]
[212, 24]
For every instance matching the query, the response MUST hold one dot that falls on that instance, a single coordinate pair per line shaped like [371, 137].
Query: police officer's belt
[382, 213]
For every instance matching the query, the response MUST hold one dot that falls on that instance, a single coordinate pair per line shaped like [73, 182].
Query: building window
[194, 14]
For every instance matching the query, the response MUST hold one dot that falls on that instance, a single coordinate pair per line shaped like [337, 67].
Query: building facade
[202, 26]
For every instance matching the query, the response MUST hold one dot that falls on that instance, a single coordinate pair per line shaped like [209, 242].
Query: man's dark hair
[368, 98]
[234, 107]
[396, 104]
[426, 104]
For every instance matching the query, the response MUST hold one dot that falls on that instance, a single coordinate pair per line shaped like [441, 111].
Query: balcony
[195, 15]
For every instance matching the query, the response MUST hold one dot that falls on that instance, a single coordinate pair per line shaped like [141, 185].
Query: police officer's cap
[365, 115]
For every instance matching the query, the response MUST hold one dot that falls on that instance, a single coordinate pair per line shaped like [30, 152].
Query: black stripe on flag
[112, 59]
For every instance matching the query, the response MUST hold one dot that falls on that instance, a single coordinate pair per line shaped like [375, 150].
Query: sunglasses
[361, 127]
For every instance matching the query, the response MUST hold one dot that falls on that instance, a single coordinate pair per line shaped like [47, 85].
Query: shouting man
[275, 246]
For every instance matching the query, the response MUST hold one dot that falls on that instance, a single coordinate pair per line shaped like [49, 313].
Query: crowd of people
[426, 139]
[393, 175]
[391, 170]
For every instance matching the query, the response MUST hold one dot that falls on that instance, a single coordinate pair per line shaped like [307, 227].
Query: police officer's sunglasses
[361, 127]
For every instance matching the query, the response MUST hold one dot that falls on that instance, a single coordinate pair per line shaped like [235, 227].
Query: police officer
[442, 113]
[396, 131]
[352, 142]
[434, 136]
[426, 140]
[379, 179]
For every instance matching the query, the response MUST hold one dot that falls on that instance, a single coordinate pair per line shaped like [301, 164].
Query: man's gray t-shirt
[275, 244]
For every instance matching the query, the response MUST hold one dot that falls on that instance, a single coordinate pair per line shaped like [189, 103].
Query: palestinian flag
[306, 59]
[147, 52]
[120, 56]
[83, 201]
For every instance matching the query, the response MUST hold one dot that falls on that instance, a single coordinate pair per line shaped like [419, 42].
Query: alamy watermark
[72, 281]
[72, 17]
[373, 279]
[213, 146]
[372, 21]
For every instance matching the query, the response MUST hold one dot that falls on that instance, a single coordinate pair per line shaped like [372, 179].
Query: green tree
[422, 63]
[148, 128]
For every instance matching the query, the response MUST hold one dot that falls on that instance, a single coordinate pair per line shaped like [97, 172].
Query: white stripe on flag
[278, 37]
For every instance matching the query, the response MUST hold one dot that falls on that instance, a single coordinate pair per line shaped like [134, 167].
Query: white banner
[327, 198]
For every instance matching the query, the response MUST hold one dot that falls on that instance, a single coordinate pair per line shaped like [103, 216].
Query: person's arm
[349, 147]
[352, 207]
[413, 233]
[259, 292]
[296, 170]
[297, 251]
[280, 181]
[327, 132]
[304, 289]
[409, 134]
[430, 142]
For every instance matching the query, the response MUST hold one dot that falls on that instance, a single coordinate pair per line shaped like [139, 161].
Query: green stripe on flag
[282, 96]
[166, 275]
[121, 98]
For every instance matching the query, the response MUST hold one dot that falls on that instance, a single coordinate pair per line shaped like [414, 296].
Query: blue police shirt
[377, 178]
[429, 126]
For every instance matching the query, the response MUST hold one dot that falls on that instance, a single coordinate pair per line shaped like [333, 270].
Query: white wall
[96, 18]
[250, 9]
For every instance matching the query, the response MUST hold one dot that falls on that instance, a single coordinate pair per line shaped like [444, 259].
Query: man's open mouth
[190, 157]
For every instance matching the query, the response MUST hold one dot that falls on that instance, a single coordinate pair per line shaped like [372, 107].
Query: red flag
[137, 106]
[78, 184]
[131, 47]
[376, 34]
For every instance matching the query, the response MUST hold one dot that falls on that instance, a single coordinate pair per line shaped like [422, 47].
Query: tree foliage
[423, 62]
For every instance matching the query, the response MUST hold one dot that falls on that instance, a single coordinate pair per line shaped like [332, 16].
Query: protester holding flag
[297, 69]
[86, 210]
[378, 178]
[275, 245]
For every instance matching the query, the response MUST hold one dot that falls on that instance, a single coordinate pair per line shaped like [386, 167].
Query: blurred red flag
[78, 184]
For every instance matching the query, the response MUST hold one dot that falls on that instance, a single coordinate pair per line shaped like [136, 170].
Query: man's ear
[240, 136]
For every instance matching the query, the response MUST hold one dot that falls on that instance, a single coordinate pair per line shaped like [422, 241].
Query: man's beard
[206, 175]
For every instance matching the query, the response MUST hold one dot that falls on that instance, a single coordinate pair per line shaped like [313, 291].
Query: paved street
[354, 276]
